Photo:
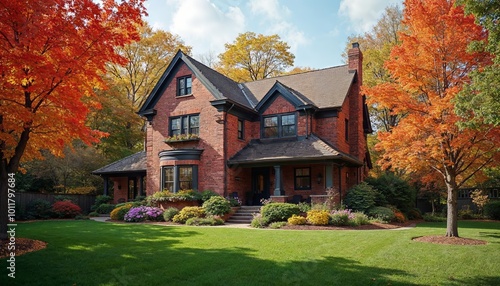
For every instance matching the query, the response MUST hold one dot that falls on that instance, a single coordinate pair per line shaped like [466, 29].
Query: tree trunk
[452, 212]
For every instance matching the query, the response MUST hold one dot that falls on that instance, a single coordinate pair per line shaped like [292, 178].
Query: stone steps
[244, 214]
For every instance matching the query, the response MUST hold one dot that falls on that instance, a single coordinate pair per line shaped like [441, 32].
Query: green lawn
[93, 253]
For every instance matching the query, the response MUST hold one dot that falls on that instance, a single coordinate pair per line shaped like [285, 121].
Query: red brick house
[287, 137]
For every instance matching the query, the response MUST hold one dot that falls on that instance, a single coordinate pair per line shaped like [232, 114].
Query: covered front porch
[299, 170]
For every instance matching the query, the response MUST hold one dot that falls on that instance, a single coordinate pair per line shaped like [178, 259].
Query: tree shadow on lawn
[152, 255]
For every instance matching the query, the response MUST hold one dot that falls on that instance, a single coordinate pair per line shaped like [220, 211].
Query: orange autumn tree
[428, 69]
[52, 56]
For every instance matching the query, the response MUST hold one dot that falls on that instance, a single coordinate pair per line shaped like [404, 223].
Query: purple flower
[142, 213]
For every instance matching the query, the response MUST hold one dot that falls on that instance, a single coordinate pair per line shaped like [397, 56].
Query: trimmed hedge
[361, 197]
[279, 212]
[217, 205]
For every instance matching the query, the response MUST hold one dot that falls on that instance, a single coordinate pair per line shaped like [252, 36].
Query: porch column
[277, 180]
[105, 185]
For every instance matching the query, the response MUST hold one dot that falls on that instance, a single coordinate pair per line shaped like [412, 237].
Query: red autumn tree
[428, 69]
[52, 55]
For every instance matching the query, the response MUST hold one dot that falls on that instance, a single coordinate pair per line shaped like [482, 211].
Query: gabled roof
[325, 88]
[135, 163]
[294, 97]
[308, 149]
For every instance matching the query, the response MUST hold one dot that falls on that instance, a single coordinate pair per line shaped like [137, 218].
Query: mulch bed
[23, 245]
[441, 239]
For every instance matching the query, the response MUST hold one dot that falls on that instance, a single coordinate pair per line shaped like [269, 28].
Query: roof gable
[295, 98]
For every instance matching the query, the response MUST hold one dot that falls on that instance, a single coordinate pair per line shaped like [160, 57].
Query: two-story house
[287, 137]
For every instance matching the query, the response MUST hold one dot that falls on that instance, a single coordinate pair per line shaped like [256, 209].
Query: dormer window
[184, 85]
[276, 126]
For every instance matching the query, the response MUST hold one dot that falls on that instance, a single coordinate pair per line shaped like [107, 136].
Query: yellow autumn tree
[428, 69]
[251, 57]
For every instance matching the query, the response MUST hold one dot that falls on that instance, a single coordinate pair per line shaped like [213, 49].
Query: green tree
[479, 101]
[252, 57]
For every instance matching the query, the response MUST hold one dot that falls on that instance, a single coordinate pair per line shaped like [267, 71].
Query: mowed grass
[94, 253]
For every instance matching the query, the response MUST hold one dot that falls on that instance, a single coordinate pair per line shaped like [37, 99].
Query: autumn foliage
[52, 56]
[428, 69]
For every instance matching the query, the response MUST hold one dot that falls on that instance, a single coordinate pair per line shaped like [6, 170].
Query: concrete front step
[244, 214]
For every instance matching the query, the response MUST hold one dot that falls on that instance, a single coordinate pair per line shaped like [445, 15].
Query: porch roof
[297, 150]
[133, 164]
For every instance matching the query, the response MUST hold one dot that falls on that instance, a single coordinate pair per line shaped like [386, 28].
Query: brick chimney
[356, 61]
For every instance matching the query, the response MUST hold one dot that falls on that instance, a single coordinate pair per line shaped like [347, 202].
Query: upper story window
[241, 129]
[187, 124]
[184, 85]
[282, 125]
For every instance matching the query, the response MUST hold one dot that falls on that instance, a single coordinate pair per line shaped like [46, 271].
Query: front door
[260, 185]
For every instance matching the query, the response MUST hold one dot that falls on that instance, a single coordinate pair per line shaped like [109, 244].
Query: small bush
[297, 220]
[99, 200]
[217, 205]
[399, 216]
[304, 207]
[360, 218]
[434, 218]
[258, 221]
[414, 214]
[273, 212]
[466, 213]
[105, 208]
[187, 213]
[119, 212]
[207, 194]
[169, 213]
[39, 209]
[143, 213]
[66, 209]
[93, 214]
[492, 210]
[361, 197]
[318, 217]
[381, 213]
[81, 217]
[341, 217]
[277, 224]
[205, 221]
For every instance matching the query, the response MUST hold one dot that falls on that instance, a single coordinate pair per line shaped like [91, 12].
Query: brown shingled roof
[133, 163]
[307, 149]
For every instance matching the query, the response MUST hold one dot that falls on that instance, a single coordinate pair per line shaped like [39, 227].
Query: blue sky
[316, 30]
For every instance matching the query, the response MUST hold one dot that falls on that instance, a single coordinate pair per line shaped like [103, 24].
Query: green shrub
[169, 213]
[392, 190]
[318, 217]
[273, 212]
[381, 213]
[205, 221]
[466, 213]
[39, 209]
[207, 194]
[105, 208]
[258, 221]
[217, 205]
[492, 210]
[297, 220]
[81, 217]
[66, 209]
[166, 196]
[360, 218]
[341, 217]
[99, 200]
[304, 207]
[119, 212]
[93, 214]
[414, 214]
[277, 224]
[187, 213]
[361, 197]
[434, 218]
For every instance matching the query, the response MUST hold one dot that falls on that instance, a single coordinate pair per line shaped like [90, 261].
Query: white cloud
[274, 16]
[364, 14]
[204, 26]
